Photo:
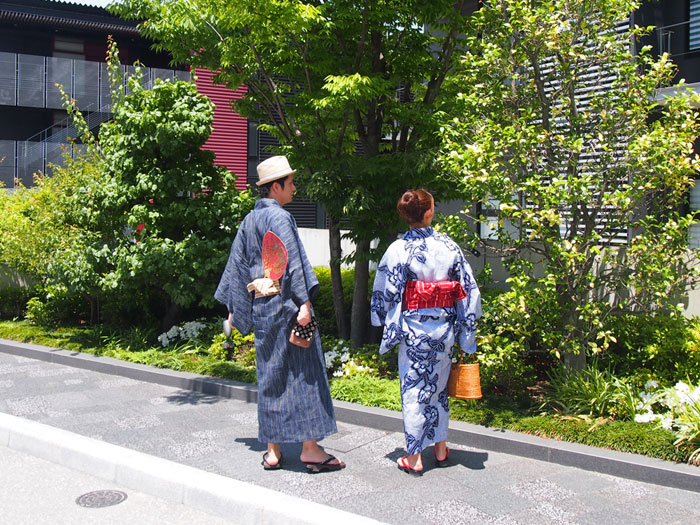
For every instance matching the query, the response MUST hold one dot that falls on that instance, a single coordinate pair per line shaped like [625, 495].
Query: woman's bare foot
[440, 451]
[415, 462]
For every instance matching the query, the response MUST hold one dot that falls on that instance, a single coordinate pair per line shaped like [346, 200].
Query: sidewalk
[189, 446]
[37, 492]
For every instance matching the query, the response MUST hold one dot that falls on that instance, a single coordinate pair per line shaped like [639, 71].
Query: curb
[620, 464]
[194, 488]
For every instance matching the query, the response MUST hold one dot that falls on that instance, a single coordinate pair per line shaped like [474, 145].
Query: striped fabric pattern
[294, 400]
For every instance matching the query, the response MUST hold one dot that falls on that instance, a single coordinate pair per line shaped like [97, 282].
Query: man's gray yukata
[294, 401]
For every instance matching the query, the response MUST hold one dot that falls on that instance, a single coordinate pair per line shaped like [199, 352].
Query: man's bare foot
[273, 456]
[311, 453]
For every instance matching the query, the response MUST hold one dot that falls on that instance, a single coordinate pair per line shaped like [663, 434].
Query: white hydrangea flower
[173, 333]
[651, 384]
[667, 422]
[191, 329]
[695, 394]
[646, 397]
[330, 357]
[682, 388]
[647, 417]
[163, 339]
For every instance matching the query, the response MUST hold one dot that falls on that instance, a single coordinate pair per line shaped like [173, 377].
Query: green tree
[141, 225]
[350, 89]
[559, 139]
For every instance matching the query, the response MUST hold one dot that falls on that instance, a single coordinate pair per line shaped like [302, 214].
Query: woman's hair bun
[413, 204]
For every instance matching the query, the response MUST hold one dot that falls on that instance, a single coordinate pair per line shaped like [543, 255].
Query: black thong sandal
[324, 466]
[267, 466]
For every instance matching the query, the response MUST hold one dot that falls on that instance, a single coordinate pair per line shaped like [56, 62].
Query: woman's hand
[304, 315]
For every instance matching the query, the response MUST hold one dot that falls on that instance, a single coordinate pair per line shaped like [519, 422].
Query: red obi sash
[419, 294]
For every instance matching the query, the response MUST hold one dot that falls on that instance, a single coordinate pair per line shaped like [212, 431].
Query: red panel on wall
[229, 140]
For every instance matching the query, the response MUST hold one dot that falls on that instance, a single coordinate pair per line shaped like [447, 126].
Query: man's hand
[304, 315]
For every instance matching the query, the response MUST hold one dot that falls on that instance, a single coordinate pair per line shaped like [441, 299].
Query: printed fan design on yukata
[274, 256]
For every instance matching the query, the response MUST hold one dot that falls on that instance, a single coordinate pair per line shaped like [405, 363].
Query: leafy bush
[662, 347]
[323, 302]
[240, 348]
[13, 302]
[138, 228]
[343, 360]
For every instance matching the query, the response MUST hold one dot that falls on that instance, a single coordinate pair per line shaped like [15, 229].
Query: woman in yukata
[426, 297]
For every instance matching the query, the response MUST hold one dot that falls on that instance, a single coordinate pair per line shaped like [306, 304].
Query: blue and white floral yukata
[425, 336]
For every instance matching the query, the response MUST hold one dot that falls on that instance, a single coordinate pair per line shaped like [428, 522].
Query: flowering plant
[189, 330]
[339, 362]
[675, 408]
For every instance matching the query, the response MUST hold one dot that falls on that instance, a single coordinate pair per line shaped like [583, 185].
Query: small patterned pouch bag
[303, 335]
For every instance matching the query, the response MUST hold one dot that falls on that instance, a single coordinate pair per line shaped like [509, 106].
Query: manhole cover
[101, 498]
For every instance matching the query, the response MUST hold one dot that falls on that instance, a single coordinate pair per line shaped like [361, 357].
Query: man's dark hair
[264, 190]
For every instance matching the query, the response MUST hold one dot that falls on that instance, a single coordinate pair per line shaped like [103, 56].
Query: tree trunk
[341, 321]
[575, 361]
[171, 317]
[360, 301]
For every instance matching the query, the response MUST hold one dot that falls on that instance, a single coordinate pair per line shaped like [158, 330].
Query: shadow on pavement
[188, 397]
[466, 458]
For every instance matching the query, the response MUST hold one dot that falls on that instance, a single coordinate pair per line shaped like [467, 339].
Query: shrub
[240, 348]
[663, 347]
[343, 360]
[503, 369]
[139, 228]
[13, 302]
[323, 302]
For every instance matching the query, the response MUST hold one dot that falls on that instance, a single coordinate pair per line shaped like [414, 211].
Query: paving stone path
[219, 435]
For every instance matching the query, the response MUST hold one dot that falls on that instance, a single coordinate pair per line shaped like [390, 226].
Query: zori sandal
[267, 466]
[403, 465]
[324, 466]
[442, 462]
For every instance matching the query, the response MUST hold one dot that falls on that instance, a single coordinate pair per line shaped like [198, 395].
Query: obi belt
[419, 294]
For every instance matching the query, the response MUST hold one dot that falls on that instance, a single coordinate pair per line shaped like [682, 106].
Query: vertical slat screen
[694, 25]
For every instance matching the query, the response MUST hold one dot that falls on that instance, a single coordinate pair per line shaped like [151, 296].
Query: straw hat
[272, 169]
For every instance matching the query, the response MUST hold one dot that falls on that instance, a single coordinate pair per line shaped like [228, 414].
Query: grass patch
[367, 390]
[131, 345]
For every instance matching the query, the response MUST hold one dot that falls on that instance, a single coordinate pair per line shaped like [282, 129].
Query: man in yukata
[294, 400]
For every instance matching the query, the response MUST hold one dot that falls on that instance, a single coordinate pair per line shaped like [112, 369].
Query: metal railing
[30, 81]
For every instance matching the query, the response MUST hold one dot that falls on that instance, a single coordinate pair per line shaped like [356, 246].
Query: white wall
[316, 245]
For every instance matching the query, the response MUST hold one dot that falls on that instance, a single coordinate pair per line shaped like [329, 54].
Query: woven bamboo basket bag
[464, 381]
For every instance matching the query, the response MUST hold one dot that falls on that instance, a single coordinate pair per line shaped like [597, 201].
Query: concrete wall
[11, 279]
[316, 245]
